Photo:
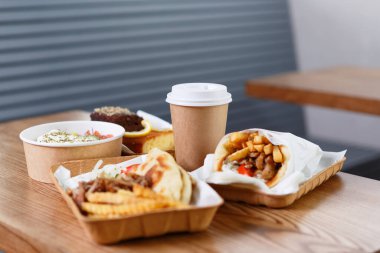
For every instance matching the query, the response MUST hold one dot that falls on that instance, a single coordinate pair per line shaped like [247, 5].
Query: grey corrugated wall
[60, 55]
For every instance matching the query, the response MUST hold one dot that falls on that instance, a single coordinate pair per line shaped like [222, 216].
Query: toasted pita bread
[167, 177]
[187, 187]
[221, 153]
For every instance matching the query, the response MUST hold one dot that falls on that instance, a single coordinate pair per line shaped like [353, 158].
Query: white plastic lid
[199, 94]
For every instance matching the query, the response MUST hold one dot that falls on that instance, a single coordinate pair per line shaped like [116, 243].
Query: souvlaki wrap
[269, 161]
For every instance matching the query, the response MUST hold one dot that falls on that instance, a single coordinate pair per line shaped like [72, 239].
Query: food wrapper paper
[306, 160]
[157, 123]
[64, 178]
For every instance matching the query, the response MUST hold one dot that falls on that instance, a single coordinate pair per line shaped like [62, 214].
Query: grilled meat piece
[122, 182]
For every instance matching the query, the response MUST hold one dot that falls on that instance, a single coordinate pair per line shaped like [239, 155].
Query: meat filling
[122, 182]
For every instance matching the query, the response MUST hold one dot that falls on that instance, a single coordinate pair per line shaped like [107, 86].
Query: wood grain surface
[342, 215]
[346, 88]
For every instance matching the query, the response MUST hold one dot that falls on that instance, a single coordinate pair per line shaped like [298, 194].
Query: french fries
[268, 149]
[124, 202]
[238, 155]
[259, 147]
[231, 146]
[252, 135]
[250, 145]
[118, 210]
[277, 155]
[146, 193]
[258, 139]
[239, 137]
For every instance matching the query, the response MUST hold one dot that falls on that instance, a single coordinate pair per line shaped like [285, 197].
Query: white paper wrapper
[156, 123]
[66, 181]
[307, 159]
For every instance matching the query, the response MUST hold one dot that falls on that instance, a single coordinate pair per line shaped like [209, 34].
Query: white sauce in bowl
[59, 136]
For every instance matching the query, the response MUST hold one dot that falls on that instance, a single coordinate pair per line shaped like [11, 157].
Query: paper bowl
[41, 156]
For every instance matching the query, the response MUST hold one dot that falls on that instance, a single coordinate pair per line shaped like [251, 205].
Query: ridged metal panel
[60, 55]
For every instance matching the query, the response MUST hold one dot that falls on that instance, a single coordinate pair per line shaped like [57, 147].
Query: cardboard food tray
[106, 231]
[239, 192]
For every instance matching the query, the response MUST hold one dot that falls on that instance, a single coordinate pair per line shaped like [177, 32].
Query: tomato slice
[98, 134]
[244, 171]
[130, 168]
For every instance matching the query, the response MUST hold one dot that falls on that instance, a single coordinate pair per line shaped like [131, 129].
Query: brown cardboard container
[106, 231]
[197, 132]
[41, 156]
[39, 159]
[243, 193]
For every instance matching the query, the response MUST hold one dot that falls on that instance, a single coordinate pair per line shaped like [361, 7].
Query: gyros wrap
[251, 153]
[267, 161]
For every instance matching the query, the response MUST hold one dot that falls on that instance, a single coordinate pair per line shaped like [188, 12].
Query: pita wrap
[227, 147]
[166, 176]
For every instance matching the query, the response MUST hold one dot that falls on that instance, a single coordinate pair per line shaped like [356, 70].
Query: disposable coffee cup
[199, 117]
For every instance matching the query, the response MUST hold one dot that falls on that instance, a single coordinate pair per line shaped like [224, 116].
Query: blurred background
[64, 55]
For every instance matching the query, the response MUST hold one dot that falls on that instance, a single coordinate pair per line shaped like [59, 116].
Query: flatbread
[221, 154]
[187, 187]
[167, 177]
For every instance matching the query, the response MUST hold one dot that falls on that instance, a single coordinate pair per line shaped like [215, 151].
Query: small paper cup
[41, 156]
[199, 118]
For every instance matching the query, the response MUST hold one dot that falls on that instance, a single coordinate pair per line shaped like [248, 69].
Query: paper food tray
[239, 192]
[205, 202]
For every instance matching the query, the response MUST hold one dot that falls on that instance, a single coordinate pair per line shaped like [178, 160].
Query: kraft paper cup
[199, 117]
[41, 156]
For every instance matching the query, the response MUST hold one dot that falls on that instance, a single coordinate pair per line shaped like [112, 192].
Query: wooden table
[347, 88]
[339, 216]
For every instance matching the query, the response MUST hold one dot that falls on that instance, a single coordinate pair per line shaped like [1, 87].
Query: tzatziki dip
[60, 136]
